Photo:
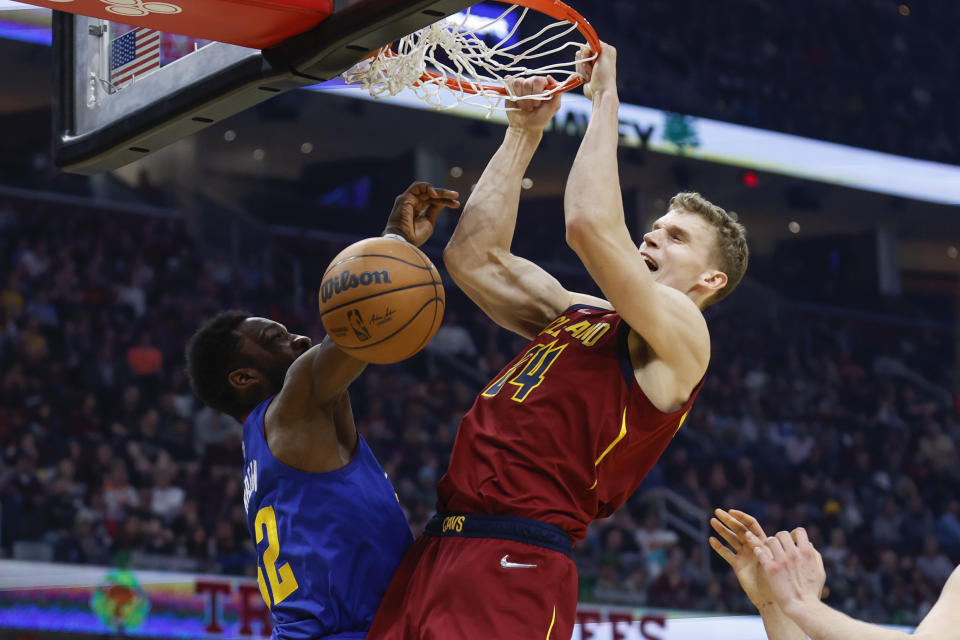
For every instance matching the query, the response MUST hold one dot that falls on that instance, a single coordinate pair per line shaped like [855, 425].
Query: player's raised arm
[732, 526]
[943, 620]
[665, 315]
[322, 374]
[236, 362]
[514, 292]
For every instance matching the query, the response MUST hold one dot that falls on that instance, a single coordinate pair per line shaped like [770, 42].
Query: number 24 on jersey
[529, 372]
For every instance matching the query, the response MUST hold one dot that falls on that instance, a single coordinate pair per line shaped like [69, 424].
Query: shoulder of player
[676, 304]
[667, 385]
[682, 315]
[584, 300]
[294, 406]
[298, 436]
[676, 300]
[668, 379]
[298, 397]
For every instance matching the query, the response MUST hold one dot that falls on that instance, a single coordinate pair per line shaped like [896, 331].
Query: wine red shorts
[482, 577]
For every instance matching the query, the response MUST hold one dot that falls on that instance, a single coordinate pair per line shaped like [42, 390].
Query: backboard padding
[96, 130]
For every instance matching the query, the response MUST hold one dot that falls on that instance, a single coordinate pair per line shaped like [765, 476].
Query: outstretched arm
[304, 419]
[795, 572]
[667, 320]
[514, 292]
[943, 621]
[732, 526]
[321, 375]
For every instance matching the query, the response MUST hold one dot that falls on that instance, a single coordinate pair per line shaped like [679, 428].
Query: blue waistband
[484, 525]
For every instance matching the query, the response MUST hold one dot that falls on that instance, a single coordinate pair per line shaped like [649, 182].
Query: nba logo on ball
[359, 328]
[381, 300]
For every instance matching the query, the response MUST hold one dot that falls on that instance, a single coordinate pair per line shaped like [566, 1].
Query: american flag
[134, 54]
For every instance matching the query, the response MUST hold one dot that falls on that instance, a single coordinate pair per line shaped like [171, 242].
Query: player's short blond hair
[731, 254]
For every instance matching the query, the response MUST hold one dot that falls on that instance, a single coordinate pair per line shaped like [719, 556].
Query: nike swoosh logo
[506, 564]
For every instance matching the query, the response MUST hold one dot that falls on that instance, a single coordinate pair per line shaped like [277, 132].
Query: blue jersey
[327, 543]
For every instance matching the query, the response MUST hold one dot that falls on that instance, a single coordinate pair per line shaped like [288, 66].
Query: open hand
[792, 566]
[415, 211]
[530, 114]
[733, 527]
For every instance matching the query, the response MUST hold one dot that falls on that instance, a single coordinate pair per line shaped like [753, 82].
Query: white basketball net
[468, 60]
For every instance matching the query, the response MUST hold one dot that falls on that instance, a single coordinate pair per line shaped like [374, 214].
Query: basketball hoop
[448, 63]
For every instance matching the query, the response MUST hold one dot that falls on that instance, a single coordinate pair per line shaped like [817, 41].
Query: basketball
[381, 300]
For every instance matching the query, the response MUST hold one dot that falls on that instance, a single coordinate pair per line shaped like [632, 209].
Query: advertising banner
[42, 597]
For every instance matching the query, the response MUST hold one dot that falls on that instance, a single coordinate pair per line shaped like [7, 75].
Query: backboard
[124, 91]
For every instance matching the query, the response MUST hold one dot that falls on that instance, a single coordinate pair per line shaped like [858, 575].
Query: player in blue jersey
[328, 528]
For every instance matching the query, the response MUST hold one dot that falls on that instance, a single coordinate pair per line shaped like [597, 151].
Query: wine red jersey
[563, 434]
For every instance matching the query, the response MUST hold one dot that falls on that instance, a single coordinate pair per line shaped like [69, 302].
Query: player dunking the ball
[328, 528]
[566, 432]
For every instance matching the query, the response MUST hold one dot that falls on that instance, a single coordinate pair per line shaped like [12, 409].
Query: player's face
[272, 348]
[678, 250]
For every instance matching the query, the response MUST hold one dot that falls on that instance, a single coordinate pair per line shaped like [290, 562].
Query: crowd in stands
[879, 74]
[106, 457]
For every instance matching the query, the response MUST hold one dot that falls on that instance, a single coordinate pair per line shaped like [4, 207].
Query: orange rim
[553, 8]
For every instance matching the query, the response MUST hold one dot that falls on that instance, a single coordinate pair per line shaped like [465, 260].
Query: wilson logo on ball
[346, 281]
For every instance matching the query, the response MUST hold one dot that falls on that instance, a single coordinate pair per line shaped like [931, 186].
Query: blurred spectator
[938, 449]
[836, 552]
[213, 428]
[33, 343]
[60, 506]
[451, 342]
[119, 496]
[799, 444]
[132, 296]
[886, 526]
[933, 564]
[167, 499]
[221, 271]
[451, 339]
[144, 358]
[948, 528]
[231, 556]
[22, 497]
[41, 308]
[11, 298]
[752, 62]
[671, 588]
[35, 260]
[655, 542]
[84, 420]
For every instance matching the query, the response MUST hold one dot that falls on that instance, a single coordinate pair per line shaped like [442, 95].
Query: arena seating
[862, 74]
[808, 416]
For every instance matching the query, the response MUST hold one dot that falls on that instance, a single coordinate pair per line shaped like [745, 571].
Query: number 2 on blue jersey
[282, 581]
